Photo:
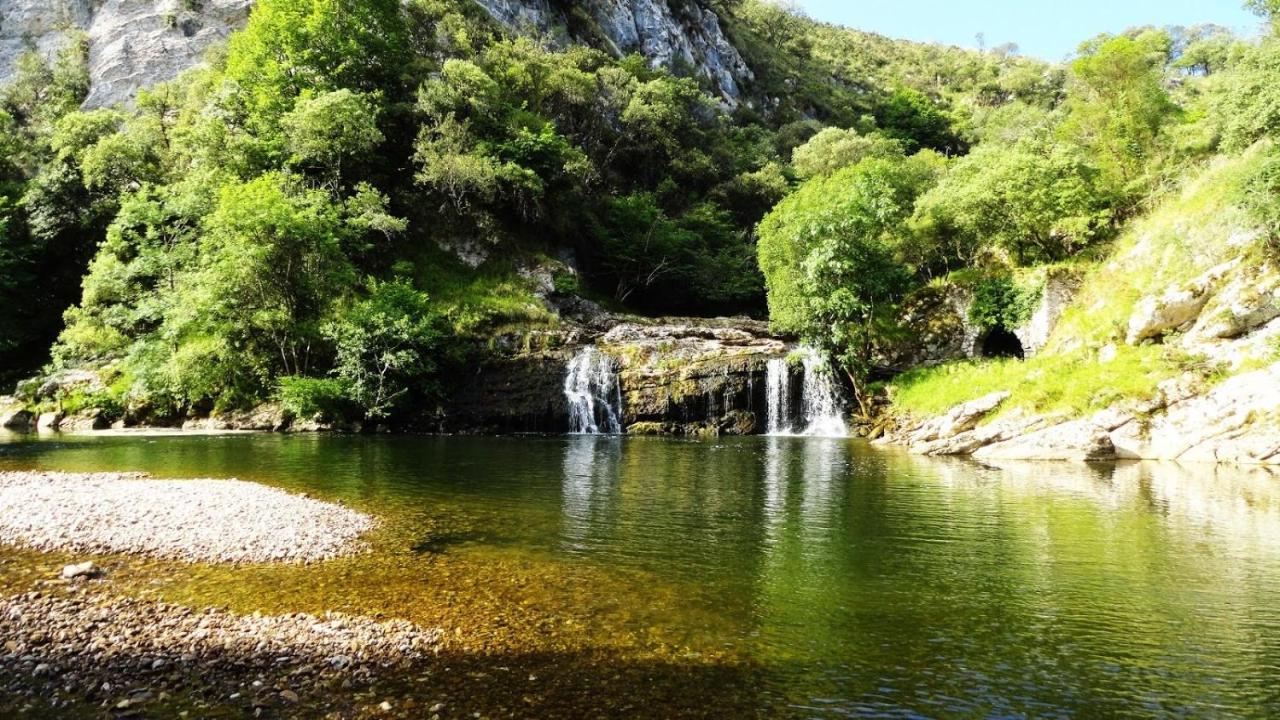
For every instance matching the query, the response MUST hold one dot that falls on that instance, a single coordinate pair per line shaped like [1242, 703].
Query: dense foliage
[1049, 176]
[291, 222]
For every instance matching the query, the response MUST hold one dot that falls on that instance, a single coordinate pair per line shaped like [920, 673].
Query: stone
[667, 34]
[14, 416]
[1060, 287]
[1078, 440]
[960, 419]
[1249, 301]
[1234, 420]
[137, 43]
[1177, 309]
[132, 43]
[81, 570]
[49, 421]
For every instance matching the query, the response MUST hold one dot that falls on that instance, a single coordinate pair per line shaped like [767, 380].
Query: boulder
[960, 419]
[81, 570]
[1078, 440]
[1249, 301]
[1234, 418]
[85, 421]
[65, 381]
[49, 421]
[14, 416]
[1177, 309]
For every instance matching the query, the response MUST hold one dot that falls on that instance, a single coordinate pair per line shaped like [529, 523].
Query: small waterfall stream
[821, 410]
[593, 393]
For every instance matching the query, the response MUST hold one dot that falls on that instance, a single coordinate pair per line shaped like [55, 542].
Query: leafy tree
[910, 116]
[1117, 107]
[322, 132]
[834, 149]
[385, 345]
[830, 257]
[1033, 202]
[1244, 105]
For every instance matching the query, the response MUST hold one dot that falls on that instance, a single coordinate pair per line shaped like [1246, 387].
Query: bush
[306, 397]
[1260, 195]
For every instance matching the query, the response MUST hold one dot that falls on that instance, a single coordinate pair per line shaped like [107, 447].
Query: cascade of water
[594, 395]
[778, 397]
[821, 407]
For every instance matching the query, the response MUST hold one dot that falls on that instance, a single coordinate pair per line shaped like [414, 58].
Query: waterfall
[778, 396]
[594, 396]
[821, 407]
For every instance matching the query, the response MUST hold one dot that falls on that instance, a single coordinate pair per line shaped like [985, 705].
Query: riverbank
[67, 648]
[1233, 422]
[200, 520]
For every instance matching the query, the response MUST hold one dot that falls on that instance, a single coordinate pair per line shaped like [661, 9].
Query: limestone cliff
[677, 376]
[137, 43]
[132, 43]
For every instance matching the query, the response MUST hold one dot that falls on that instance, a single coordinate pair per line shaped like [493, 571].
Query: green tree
[833, 149]
[322, 132]
[830, 257]
[1031, 202]
[1116, 109]
[385, 345]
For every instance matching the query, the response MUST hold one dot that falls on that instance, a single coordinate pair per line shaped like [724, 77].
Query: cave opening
[1000, 343]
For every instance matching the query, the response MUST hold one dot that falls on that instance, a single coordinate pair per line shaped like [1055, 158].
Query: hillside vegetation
[352, 198]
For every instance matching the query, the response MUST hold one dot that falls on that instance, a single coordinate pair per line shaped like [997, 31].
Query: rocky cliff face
[132, 43]
[676, 376]
[690, 37]
[137, 43]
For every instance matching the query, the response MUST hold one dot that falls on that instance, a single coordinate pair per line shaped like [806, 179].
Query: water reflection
[864, 582]
[590, 491]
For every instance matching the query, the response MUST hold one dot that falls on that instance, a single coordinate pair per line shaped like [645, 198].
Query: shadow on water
[495, 685]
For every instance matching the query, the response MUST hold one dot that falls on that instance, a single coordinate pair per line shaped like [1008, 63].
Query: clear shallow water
[849, 581]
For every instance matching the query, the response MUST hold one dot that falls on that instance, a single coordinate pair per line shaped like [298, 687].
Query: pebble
[84, 569]
[150, 639]
[190, 520]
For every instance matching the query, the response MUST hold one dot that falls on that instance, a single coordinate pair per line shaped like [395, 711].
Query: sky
[1048, 29]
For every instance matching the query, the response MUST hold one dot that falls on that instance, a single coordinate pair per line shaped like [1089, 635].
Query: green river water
[764, 576]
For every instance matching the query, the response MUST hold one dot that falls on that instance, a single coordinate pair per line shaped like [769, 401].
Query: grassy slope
[1185, 235]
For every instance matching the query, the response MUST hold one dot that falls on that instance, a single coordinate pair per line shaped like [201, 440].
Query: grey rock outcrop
[677, 376]
[132, 43]
[939, 327]
[690, 36]
[1236, 421]
[693, 377]
[1060, 288]
[1177, 309]
[137, 43]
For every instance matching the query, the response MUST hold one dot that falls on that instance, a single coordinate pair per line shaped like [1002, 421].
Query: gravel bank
[191, 520]
[132, 657]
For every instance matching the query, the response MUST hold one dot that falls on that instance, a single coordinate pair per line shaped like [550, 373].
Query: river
[784, 576]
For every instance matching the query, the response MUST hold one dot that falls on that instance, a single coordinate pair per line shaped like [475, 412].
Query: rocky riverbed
[191, 520]
[69, 649]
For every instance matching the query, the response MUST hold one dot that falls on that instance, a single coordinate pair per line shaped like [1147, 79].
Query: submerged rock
[81, 570]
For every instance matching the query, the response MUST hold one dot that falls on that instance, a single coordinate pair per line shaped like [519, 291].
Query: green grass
[1074, 384]
[481, 300]
[1186, 235]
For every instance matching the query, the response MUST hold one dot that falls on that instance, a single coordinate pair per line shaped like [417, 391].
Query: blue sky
[1049, 29]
